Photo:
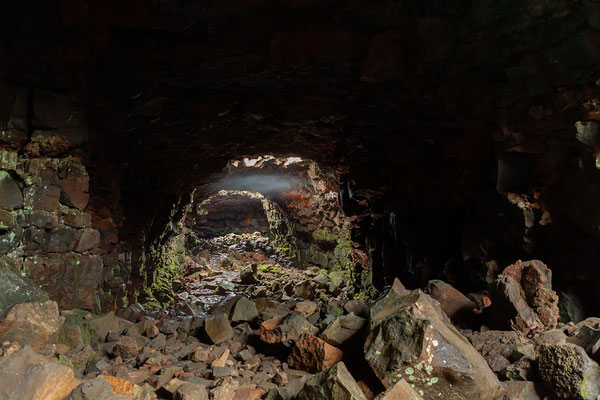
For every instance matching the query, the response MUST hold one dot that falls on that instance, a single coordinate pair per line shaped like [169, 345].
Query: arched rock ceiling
[420, 96]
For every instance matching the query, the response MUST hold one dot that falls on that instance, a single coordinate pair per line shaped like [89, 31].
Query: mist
[261, 183]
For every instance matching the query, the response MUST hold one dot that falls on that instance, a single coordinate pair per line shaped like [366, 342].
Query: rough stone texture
[523, 298]
[126, 347]
[400, 391]
[25, 375]
[457, 306]
[501, 348]
[342, 328]
[244, 310]
[336, 383]
[95, 389]
[410, 337]
[217, 328]
[35, 324]
[522, 390]
[568, 372]
[15, 289]
[313, 354]
[190, 391]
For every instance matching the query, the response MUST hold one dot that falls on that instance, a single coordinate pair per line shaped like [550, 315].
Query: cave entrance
[267, 226]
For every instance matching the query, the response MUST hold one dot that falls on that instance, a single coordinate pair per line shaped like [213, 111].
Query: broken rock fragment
[336, 383]
[313, 354]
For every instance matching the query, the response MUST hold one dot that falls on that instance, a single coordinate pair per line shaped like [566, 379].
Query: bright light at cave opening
[251, 162]
[292, 160]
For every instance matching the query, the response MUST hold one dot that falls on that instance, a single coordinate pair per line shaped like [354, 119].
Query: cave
[424, 171]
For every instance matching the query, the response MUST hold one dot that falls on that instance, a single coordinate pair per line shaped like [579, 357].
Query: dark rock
[410, 337]
[94, 389]
[11, 197]
[342, 328]
[400, 391]
[313, 354]
[244, 310]
[568, 372]
[126, 347]
[458, 307]
[15, 289]
[336, 383]
[217, 328]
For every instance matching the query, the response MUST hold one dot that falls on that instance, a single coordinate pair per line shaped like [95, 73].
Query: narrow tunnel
[299, 200]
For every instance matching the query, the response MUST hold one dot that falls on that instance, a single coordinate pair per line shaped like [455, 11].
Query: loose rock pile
[293, 335]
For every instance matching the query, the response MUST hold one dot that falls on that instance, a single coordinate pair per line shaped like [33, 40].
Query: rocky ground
[246, 324]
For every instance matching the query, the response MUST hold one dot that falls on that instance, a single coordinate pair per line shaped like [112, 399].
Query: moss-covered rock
[15, 289]
[569, 372]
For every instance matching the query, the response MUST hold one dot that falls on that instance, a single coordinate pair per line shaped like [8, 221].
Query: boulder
[411, 337]
[248, 275]
[36, 324]
[15, 289]
[313, 354]
[523, 299]
[568, 372]
[26, 375]
[336, 383]
[217, 327]
[501, 348]
[458, 307]
[11, 196]
[126, 347]
[342, 328]
[244, 310]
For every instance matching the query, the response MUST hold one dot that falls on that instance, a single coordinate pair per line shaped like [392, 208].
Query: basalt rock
[15, 289]
[336, 383]
[523, 299]
[411, 338]
[313, 354]
[568, 372]
[400, 391]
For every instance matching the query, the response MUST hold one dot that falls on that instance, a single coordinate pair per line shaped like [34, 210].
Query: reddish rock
[456, 305]
[87, 239]
[10, 193]
[45, 198]
[523, 299]
[249, 394]
[313, 354]
[270, 331]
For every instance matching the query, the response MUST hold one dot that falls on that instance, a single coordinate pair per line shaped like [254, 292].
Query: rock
[410, 337]
[568, 372]
[358, 307]
[36, 324]
[525, 390]
[168, 326]
[225, 391]
[217, 327]
[500, 348]
[244, 310]
[15, 289]
[190, 391]
[342, 328]
[87, 239]
[458, 307]
[11, 196]
[25, 375]
[248, 275]
[307, 308]
[126, 347]
[294, 325]
[336, 383]
[400, 391]
[399, 288]
[587, 133]
[95, 389]
[522, 288]
[101, 325]
[313, 354]
[249, 394]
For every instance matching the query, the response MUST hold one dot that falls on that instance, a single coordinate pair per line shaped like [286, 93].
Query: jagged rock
[36, 324]
[342, 328]
[15, 289]
[295, 325]
[313, 354]
[358, 307]
[336, 383]
[126, 347]
[248, 275]
[523, 299]
[568, 372]
[26, 375]
[244, 310]
[458, 307]
[190, 391]
[410, 337]
[500, 348]
[525, 390]
[101, 325]
[95, 389]
[10, 194]
[217, 328]
[307, 308]
[400, 391]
